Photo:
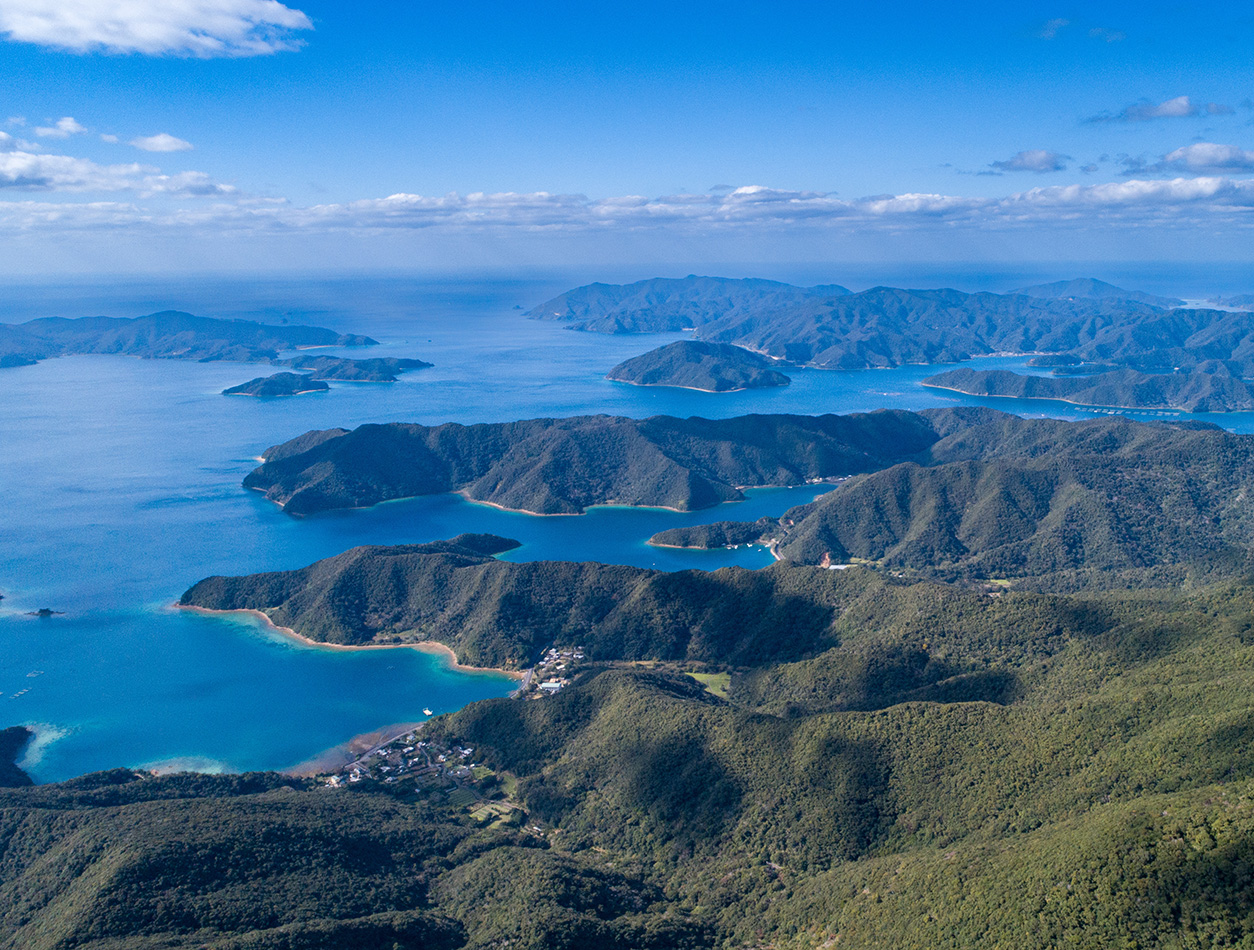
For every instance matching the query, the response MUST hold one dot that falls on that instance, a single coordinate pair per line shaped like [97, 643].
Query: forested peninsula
[170, 334]
[280, 384]
[1186, 392]
[561, 466]
[709, 367]
[1043, 500]
[830, 328]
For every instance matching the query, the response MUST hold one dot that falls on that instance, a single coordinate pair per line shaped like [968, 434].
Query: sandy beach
[425, 646]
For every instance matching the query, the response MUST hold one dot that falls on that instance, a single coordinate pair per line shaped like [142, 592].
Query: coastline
[1069, 402]
[423, 646]
[345, 753]
[693, 389]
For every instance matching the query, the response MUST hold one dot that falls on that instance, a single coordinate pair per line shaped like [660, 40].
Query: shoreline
[423, 646]
[343, 754]
[694, 389]
[1078, 405]
[572, 514]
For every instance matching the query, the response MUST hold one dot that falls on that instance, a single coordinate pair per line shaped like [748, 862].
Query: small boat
[427, 712]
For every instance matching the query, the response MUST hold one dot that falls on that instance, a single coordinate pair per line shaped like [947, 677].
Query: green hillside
[1101, 796]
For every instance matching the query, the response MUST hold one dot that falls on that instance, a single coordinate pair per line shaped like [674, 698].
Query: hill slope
[560, 466]
[1188, 392]
[166, 335]
[691, 364]
[887, 326]
[662, 304]
[1105, 797]
[1033, 498]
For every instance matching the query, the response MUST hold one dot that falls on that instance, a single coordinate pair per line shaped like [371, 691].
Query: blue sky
[247, 134]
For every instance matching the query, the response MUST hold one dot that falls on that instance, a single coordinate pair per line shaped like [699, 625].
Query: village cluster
[434, 767]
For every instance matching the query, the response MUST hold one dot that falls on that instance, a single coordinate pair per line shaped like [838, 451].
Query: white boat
[427, 712]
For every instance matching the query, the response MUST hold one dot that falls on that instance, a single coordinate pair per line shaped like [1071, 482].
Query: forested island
[280, 384]
[1187, 392]
[170, 334]
[709, 367]
[561, 466]
[378, 370]
[831, 328]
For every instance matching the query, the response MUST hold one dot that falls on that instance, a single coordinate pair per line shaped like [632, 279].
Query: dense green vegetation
[720, 534]
[499, 613]
[1045, 501]
[1022, 718]
[560, 466]
[280, 384]
[887, 326]
[691, 364]
[1190, 392]
[1100, 792]
[166, 335]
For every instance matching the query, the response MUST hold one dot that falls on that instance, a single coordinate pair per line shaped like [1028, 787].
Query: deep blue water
[121, 486]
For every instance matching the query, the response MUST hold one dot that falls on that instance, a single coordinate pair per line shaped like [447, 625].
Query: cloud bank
[1209, 157]
[1179, 203]
[30, 171]
[200, 28]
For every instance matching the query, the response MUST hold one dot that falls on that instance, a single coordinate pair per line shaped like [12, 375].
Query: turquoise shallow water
[121, 486]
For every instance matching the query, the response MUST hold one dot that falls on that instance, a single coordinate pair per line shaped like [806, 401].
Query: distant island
[709, 367]
[663, 304]
[830, 328]
[1186, 392]
[170, 334]
[1089, 288]
[379, 370]
[280, 384]
[561, 466]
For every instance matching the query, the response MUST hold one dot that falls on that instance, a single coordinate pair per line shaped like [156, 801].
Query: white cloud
[1179, 203]
[1181, 107]
[63, 129]
[202, 28]
[1209, 157]
[111, 139]
[27, 171]
[162, 142]
[1033, 160]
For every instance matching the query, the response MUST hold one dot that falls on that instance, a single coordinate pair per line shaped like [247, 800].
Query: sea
[121, 487]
